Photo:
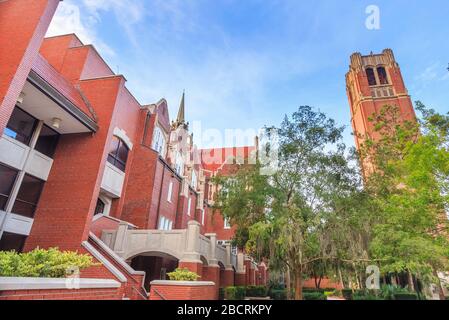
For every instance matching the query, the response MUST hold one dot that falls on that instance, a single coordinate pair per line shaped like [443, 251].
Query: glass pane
[7, 179]
[123, 153]
[114, 146]
[12, 242]
[47, 142]
[3, 200]
[100, 207]
[24, 209]
[371, 77]
[382, 75]
[28, 197]
[20, 126]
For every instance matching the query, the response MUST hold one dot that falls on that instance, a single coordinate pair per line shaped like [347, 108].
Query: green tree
[408, 184]
[283, 216]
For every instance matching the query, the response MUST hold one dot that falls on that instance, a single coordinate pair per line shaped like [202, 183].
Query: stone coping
[182, 283]
[13, 283]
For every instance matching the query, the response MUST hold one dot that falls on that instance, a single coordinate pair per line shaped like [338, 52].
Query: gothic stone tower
[372, 82]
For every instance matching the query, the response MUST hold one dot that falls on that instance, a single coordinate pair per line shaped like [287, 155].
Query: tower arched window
[382, 74]
[118, 153]
[371, 77]
[179, 164]
[194, 180]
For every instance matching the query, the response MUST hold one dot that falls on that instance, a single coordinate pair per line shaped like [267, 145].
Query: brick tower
[372, 82]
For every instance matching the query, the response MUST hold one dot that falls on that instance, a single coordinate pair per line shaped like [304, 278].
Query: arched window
[118, 153]
[383, 79]
[371, 77]
[159, 141]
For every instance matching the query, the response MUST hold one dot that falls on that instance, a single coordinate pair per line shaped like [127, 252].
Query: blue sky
[247, 63]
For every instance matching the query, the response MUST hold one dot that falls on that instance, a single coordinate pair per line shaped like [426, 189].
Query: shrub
[235, 293]
[221, 294]
[314, 296]
[278, 294]
[256, 291]
[347, 294]
[313, 290]
[389, 291]
[40, 263]
[406, 296]
[183, 275]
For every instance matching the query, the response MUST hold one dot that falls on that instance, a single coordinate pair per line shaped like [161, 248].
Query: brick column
[227, 278]
[23, 24]
[212, 273]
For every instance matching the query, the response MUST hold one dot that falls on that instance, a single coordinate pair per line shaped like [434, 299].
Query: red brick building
[84, 166]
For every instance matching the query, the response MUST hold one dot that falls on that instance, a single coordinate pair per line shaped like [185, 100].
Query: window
[7, 179]
[179, 164]
[12, 242]
[161, 223]
[165, 224]
[382, 74]
[99, 209]
[189, 206]
[194, 180]
[170, 191]
[47, 141]
[159, 141]
[202, 217]
[371, 77]
[20, 126]
[28, 196]
[227, 223]
[118, 154]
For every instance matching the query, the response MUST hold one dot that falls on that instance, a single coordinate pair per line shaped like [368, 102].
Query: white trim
[53, 284]
[182, 283]
[119, 133]
[116, 272]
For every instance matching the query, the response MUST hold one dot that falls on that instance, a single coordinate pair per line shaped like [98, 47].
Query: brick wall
[164, 290]
[20, 41]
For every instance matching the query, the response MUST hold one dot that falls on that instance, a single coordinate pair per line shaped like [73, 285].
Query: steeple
[181, 119]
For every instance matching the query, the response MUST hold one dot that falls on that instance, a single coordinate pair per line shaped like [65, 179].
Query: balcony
[113, 180]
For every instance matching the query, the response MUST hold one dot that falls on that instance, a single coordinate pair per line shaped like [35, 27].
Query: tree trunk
[298, 285]
[341, 278]
[411, 285]
[288, 283]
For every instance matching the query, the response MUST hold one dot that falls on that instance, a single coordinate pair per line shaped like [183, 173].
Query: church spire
[181, 119]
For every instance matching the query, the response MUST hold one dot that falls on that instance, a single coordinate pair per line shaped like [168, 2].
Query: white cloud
[69, 18]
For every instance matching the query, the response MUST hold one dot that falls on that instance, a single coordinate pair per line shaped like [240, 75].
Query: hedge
[256, 291]
[314, 296]
[278, 294]
[40, 263]
[405, 296]
[347, 294]
[235, 293]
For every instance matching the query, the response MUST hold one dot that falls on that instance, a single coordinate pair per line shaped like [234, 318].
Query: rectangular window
[12, 242]
[202, 217]
[20, 126]
[170, 192]
[161, 223]
[28, 196]
[227, 223]
[189, 206]
[7, 178]
[47, 141]
[170, 225]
